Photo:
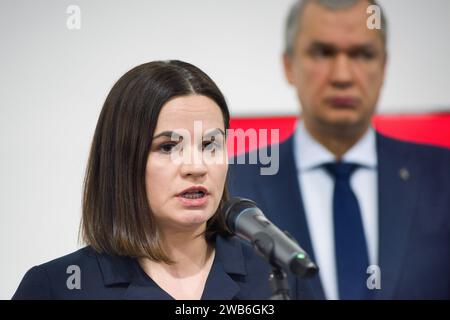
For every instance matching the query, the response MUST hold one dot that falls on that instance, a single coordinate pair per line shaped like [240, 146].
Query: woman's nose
[193, 163]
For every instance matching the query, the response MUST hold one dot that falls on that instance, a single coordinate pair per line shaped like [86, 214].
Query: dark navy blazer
[237, 273]
[414, 215]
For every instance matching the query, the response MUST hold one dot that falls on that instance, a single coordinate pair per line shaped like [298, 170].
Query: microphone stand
[279, 284]
[277, 278]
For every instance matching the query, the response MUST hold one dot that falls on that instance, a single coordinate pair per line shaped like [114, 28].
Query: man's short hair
[295, 14]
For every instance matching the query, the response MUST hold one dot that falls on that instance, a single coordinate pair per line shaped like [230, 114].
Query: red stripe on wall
[429, 129]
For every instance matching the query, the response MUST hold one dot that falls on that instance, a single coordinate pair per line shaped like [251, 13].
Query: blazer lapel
[122, 271]
[227, 261]
[125, 273]
[220, 286]
[285, 209]
[397, 192]
[139, 291]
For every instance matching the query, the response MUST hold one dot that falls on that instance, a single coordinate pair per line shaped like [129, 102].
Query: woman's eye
[210, 145]
[167, 147]
[207, 145]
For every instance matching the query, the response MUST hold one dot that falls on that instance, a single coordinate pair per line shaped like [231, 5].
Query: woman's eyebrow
[176, 136]
[213, 132]
[169, 134]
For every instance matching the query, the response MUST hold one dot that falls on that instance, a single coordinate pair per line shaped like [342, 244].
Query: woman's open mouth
[194, 197]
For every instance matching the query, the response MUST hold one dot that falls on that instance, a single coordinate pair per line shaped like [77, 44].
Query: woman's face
[187, 164]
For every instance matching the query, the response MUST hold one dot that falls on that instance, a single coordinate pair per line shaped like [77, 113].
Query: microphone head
[233, 207]
[302, 269]
[273, 244]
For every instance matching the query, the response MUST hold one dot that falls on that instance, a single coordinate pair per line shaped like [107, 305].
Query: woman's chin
[191, 219]
[195, 219]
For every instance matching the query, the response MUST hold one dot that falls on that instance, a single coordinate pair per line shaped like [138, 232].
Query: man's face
[337, 68]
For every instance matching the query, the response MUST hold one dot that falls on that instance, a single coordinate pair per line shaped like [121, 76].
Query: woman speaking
[154, 187]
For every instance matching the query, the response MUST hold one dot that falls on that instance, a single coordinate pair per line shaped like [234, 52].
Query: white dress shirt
[317, 193]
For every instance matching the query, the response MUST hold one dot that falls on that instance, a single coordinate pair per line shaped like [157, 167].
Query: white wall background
[53, 82]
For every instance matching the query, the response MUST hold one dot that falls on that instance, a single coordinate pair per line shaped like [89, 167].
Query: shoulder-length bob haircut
[116, 215]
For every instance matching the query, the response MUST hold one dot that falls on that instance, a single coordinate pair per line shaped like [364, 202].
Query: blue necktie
[349, 238]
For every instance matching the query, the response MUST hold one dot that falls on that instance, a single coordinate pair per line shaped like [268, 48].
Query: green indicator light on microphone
[300, 256]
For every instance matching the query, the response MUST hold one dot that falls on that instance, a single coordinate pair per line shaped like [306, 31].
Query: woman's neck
[189, 251]
[186, 277]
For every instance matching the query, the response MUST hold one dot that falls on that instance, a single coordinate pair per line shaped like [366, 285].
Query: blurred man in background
[373, 212]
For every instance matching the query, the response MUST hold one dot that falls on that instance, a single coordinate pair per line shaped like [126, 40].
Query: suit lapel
[137, 291]
[397, 192]
[229, 260]
[125, 272]
[285, 209]
[220, 286]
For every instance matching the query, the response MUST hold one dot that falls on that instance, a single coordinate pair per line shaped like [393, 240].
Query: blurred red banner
[425, 128]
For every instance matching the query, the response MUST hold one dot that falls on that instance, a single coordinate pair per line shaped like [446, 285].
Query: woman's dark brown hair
[116, 216]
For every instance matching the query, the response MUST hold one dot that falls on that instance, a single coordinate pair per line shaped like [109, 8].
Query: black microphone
[247, 221]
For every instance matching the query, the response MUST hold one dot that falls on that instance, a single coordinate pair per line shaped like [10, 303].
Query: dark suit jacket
[414, 215]
[237, 273]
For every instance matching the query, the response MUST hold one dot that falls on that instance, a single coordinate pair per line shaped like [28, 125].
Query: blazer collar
[116, 269]
[228, 263]
[226, 272]
[229, 254]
